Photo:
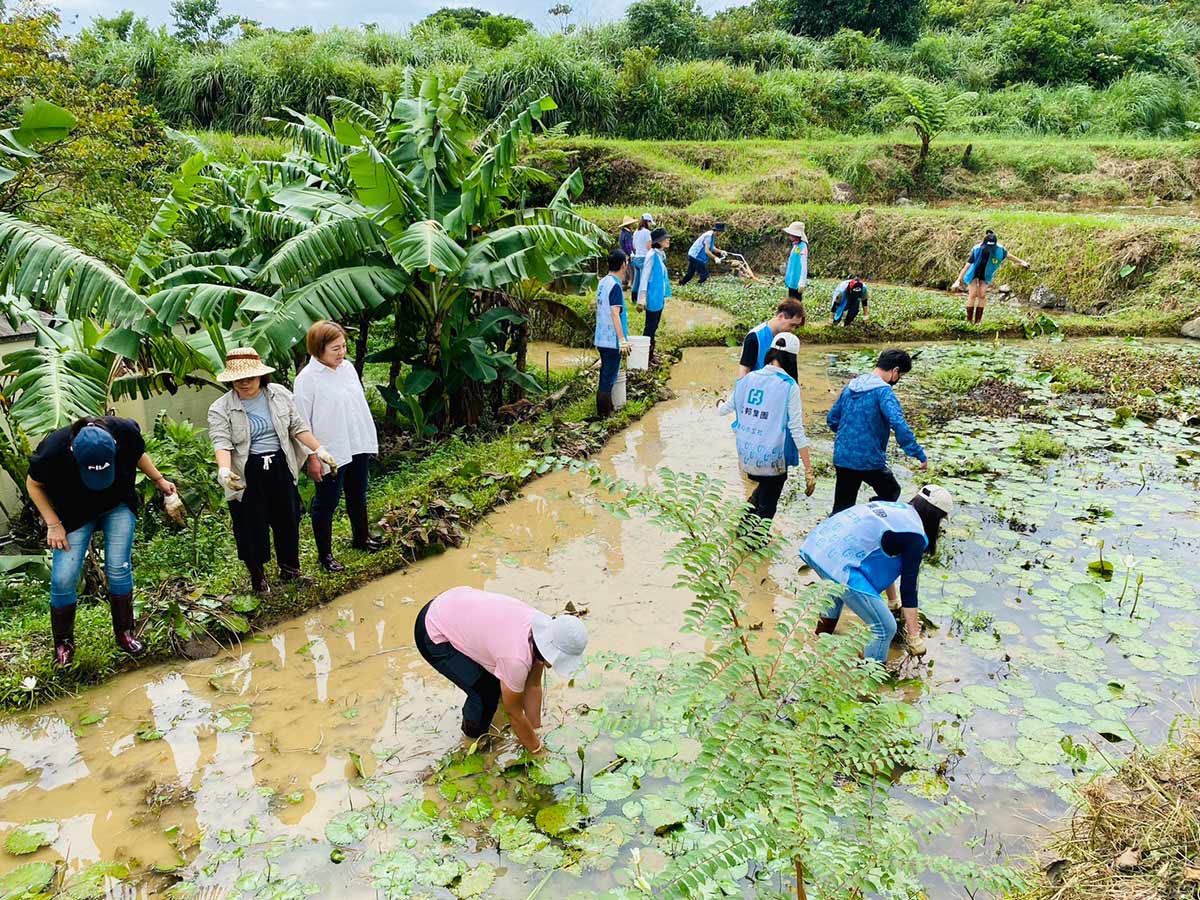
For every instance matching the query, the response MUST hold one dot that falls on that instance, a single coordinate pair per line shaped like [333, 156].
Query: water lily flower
[29, 683]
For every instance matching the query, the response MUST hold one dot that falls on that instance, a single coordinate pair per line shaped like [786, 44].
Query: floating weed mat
[1134, 836]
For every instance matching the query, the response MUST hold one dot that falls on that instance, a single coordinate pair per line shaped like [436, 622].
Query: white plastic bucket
[639, 352]
[618, 391]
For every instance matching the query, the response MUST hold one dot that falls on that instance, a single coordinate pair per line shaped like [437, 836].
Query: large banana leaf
[149, 253]
[320, 248]
[51, 387]
[382, 186]
[425, 247]
[207, 303]
[513, 254]
[311, 134]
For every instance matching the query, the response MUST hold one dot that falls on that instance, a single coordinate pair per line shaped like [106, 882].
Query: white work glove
[230, 480]
[326, 457]
[173, 506]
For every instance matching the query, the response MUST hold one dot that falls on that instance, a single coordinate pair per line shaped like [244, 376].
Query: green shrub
[956, 379]
[1035, 445]
[1066, 378]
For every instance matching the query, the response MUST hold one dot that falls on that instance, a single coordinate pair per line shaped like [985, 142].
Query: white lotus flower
[29, 683]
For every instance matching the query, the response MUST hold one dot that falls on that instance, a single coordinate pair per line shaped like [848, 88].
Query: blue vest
[764, 443]
[657, 281]
[847, 547]
[765, 337]
[606, 335]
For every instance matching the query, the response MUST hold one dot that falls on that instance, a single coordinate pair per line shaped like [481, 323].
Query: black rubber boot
[62, 626]
[604, 403]
[258, 578]
[825, 626]
[123, 626]
[323, 534]
[654, 358]
[360, 530]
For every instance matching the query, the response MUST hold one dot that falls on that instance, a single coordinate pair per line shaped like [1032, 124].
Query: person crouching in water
[612, 330]
[769, 425]
[655, 286]
[848, 298]
[867, 549]
[496, 649]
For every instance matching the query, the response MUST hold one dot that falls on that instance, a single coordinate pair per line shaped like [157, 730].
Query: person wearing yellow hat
[261, 440]
[795, 276]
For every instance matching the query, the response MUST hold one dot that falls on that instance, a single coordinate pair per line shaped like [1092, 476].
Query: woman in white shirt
[330, 396]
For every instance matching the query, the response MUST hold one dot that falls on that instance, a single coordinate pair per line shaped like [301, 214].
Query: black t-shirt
[750, 351]
[910, 548]
[53, 466]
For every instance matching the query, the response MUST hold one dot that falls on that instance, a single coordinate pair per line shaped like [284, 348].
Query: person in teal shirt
[655, 287]
[796, 274]
[977, 274]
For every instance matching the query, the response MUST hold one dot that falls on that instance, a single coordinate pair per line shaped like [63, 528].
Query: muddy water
[347, 678]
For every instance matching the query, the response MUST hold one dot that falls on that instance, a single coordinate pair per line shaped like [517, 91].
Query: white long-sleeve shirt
[795, 415]
[641, 242]
[333, 402]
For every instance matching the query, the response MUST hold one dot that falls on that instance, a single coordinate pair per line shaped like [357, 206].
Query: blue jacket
[863, 418]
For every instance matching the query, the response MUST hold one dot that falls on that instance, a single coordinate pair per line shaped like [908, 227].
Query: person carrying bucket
[641, 246]
[848, 297]
[795, 276]
[496, 649]
[769, 426]
[655, 286]
[612, 330]
[625, 243]
[867, 549]
[789, 315]
[700, 251]
[977, 274]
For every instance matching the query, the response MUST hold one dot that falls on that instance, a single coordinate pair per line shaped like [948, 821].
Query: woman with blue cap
[81, 478]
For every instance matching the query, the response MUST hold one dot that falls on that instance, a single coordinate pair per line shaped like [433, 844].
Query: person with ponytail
[977, 274]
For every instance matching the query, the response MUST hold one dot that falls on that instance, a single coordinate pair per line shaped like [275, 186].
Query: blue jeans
[871, 608]
[610, 366]
[639, 263]
[117, 524]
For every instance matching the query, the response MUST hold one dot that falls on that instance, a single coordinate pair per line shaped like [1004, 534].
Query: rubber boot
[258, 578]
[123, 630]
[360, 529]
[604, 404]
[970, 315]
[654, 358]
[979, 315]
[62, 626]
[323, 533]
[825, 626]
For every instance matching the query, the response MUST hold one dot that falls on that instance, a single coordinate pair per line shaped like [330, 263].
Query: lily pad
[90, 883]
[30, 838]
[987, 697]
[440, 873]
[475, 882]
[94, 717]
[551, 772]
[469, 765]
[559, 817]
[348, 827]
[612, 786]
[28, 880]
[235, 718]
[663, 813]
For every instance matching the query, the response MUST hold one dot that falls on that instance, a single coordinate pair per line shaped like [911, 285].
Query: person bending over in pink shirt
[495, 648]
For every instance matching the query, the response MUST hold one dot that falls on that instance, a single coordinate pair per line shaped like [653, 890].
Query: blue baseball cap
[96, 454]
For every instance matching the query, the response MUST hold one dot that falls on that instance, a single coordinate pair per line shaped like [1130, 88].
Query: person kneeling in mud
[495, 649]
[868, 548]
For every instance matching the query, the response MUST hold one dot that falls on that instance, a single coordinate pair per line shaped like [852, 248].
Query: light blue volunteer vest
[846, 548]
[993, 263]
[699, 249]
[764, 443]
[658, 282]
[765, 338]
[606, 335]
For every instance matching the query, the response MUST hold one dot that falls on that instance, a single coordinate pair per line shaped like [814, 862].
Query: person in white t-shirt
[703, 249]
[641, 246]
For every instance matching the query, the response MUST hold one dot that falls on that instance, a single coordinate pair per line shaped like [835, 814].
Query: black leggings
[481, 686]
[765, 499]
[845, 488]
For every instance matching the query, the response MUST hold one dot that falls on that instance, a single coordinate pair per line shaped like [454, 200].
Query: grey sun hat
[561, 640]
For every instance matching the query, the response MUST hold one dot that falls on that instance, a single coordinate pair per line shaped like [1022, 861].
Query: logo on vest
[755, 397]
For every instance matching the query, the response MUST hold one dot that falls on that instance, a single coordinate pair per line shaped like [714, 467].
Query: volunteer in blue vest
[701, 250]
[848, 297]
[612, 330]
[977, 274]
[769, 426]
[641, 246]
[867, 549]
[795, 276]
[789, 315]
[655, 286]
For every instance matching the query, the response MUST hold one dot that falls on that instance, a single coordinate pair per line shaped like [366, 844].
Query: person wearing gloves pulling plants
[612, 330]
[702, 248]
[641, 246]
[655, 286]
[261, 440]
[769, 425]
[330, 398]
[789, 315]
[848, 298]
[977, 274]
[867, 549]
[496, 649]
[625, 244]
[862, 419]
[795, 276]
[82, 478]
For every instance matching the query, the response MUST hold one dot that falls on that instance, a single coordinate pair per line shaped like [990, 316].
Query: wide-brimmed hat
[629, 220]
[95, 452]
[243, 362]
[937, 497]
[796, 229]
[658, 234]
[561, 640]
[719, 227]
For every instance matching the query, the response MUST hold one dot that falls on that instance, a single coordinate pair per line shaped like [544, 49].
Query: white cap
[937, 497]
[561, 640]
[787, 342]
[649, 218]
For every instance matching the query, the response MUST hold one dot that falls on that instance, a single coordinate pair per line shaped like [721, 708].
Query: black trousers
[481, 686]
[652, 320]
[695, 267]
[353, 478]
[845, 488]
[764, 501]
[269, 506]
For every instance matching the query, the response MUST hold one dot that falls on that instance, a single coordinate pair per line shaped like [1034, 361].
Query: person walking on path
[977, 274]
[625, 243]
[496, 649]
[862, 419]
[702, 248]
[848, 297]
[795, 276]
[260, 441]
[612, 330]
[330, 397]
[641, 246]
[868, 549]
[789, 315]
[82, 478]
[655, 287]
[769, 425]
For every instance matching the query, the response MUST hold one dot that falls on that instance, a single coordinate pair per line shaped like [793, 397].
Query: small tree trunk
[800, 892]
[925, 138]
[360, 343]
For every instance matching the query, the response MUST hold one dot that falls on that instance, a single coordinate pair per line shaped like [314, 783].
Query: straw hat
[796, 229]
[243, 362]
[629, 220]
